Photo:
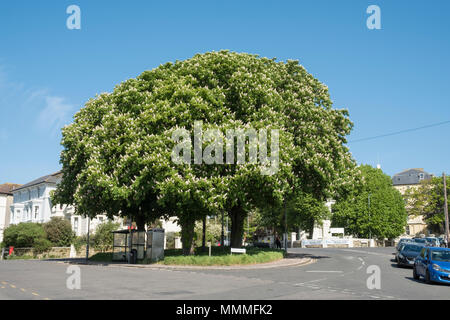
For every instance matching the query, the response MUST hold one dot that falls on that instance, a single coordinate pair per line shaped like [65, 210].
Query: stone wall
[53, 253]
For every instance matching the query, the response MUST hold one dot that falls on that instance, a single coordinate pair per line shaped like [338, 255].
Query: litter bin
[133, 256]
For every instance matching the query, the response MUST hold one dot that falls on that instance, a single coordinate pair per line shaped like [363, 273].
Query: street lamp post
[370, 227]
[285, 227]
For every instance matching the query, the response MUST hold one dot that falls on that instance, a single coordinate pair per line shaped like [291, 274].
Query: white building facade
[5, 202]
[32, 203]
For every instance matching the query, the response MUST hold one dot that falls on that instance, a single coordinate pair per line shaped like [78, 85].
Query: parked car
[402, 242]
[408, 254]
[433, 264]
[421, 241]
[433, 242]
[400, 248]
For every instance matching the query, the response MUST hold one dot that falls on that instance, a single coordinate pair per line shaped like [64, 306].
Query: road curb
[289, 262]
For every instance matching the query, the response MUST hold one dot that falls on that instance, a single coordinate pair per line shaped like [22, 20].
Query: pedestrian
[278, 242]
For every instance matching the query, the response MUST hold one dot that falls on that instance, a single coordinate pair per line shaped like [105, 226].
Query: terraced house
[32, 203]
[6, 199]
[404, 180]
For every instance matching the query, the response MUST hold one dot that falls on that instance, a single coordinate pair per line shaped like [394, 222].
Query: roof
[8, 187]
[410, 176]
[51, 178]
[439, 249]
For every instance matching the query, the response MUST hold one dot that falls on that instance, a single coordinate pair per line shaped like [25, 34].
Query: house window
[75, 225]
[421, 176]
[407, 230]
[36, 212]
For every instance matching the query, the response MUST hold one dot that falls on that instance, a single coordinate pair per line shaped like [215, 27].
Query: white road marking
[324, 271]
[302, 283]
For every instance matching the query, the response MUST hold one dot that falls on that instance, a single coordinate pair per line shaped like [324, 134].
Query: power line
[400, 132]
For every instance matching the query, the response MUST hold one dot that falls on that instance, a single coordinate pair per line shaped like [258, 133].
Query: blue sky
[391, 79]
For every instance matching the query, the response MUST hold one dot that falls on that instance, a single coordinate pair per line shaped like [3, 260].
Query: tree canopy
[428, 200]
[372, 207]
[117, 154]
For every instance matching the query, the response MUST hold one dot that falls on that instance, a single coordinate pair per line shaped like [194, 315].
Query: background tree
[428, 200]
[117, 153]
[304, 210]
[387, 215]
[103, 238]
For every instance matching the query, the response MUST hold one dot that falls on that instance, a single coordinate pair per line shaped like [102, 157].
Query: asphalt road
[336, 274]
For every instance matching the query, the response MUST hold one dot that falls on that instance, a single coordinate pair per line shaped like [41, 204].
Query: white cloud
[55, 114]
[50, 112]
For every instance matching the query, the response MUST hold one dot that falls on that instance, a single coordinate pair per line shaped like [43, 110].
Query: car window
[441, 256]
[422, 254]
[411, 247]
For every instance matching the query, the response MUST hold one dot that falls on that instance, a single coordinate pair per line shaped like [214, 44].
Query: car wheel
[415, 275]
[427, 277]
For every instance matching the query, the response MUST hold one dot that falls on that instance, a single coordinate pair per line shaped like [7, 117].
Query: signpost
[237, 250]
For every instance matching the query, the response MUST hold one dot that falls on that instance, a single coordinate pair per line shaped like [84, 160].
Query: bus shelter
[126, 242]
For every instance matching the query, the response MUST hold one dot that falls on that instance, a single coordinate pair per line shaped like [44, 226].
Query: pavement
[330, 274]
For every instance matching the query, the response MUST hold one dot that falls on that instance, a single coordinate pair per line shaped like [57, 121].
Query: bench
[236, 250]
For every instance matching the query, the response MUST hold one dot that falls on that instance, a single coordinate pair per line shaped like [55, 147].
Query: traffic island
[254, 258]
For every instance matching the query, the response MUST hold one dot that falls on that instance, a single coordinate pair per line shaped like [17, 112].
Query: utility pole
[204, 234]
[248, 227]
[87, 243]
[228, 239]
[222, 236]
[446, 209]
[370, 226]
[285, 227]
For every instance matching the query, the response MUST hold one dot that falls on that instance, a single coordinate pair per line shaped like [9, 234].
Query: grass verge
[222, 257]
[219, 257]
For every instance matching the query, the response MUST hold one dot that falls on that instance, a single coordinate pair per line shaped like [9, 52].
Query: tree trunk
[204, 234]
[187, 236]
[237, 216]
[140, 222]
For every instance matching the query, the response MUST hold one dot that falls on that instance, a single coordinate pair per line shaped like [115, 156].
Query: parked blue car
[433, 263]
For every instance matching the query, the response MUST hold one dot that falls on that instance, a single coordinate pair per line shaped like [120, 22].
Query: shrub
[103, 239]
[42, 245]
[59, 232]
[81, 241]
[23, 235]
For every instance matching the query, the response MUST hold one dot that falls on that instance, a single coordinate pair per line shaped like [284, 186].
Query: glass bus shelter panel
[155, 244]
[138, 244]
[120, 239]
[120, 246]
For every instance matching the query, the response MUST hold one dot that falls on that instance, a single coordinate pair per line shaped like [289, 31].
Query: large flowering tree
[117, 155]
